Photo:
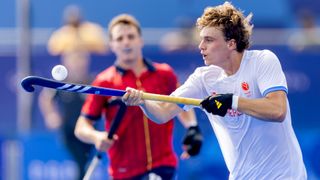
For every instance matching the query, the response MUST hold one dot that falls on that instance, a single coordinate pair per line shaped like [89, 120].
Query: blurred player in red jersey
[142, 148]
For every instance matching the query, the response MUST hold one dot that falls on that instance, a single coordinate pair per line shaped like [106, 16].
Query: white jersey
[252, 148]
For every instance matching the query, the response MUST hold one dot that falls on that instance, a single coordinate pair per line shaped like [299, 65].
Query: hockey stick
[28, 82]
[113, 127]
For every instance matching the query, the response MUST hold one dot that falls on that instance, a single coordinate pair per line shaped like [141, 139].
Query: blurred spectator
[308, 36]
[185, 38]
[73, 42]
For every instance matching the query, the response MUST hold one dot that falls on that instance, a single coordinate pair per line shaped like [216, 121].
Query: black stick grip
[116, 121]
[113, 128]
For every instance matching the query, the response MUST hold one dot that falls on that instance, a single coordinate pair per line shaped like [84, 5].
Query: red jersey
[142, 144]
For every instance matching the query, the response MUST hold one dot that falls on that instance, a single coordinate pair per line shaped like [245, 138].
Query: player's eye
[208, 39]
[131, 36]
[119, 39]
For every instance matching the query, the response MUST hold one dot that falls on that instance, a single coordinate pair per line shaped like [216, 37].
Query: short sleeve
[172, 80]
[94, 104]
[191, 88]
[270, 76]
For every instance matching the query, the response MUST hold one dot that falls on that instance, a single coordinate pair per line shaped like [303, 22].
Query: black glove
[217, 104]
[193, 140]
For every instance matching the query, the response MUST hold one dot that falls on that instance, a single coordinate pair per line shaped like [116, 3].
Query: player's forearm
[85, 131]
[48, 110]
[159, 112]
[264, 109]
[272, 107]
[188, 118]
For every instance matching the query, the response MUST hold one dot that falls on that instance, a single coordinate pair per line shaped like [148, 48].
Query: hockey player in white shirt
[245, 97]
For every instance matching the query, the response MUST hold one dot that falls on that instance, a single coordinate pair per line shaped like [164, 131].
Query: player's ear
[232, 44]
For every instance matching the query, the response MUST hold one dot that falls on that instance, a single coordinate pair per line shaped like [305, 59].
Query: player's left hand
[218, 104]
[133, 97]
[192, 142]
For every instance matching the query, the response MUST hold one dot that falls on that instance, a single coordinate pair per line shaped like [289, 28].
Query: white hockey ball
[59, 72]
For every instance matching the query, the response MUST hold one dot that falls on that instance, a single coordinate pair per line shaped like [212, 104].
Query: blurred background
[29, 150]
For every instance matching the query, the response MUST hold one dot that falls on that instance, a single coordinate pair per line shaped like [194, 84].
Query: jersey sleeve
[270, 76]
[191, 88]
[94, 104]
[172, 82]
[167, 78]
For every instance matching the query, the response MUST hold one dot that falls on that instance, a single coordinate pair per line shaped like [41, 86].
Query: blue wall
[164, 13]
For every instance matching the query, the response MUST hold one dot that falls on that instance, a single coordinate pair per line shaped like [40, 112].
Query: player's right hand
[217, 104]
[102, 143]
[133, 97]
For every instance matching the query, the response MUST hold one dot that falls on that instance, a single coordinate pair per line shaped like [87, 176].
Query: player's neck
[234, 63]
[137, 66]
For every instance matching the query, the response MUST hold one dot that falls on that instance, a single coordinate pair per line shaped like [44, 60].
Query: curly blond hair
[126, 19]
[231, 21]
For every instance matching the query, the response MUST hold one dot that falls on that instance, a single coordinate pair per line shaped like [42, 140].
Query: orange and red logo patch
[245, 86]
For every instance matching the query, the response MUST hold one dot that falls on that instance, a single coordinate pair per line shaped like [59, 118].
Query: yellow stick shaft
[172, 99]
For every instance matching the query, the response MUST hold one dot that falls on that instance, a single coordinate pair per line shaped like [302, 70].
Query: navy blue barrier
[302, 71]
[40, 156]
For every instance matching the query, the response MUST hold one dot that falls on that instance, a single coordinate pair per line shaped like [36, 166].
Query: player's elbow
[81, 134]
[77, 132]
[159, 120]
[159, 113]
[163, 121]
[163, 118]
[279, 115]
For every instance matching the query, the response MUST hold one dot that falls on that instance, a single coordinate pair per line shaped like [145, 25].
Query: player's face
[126, 43]
[215, 50]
